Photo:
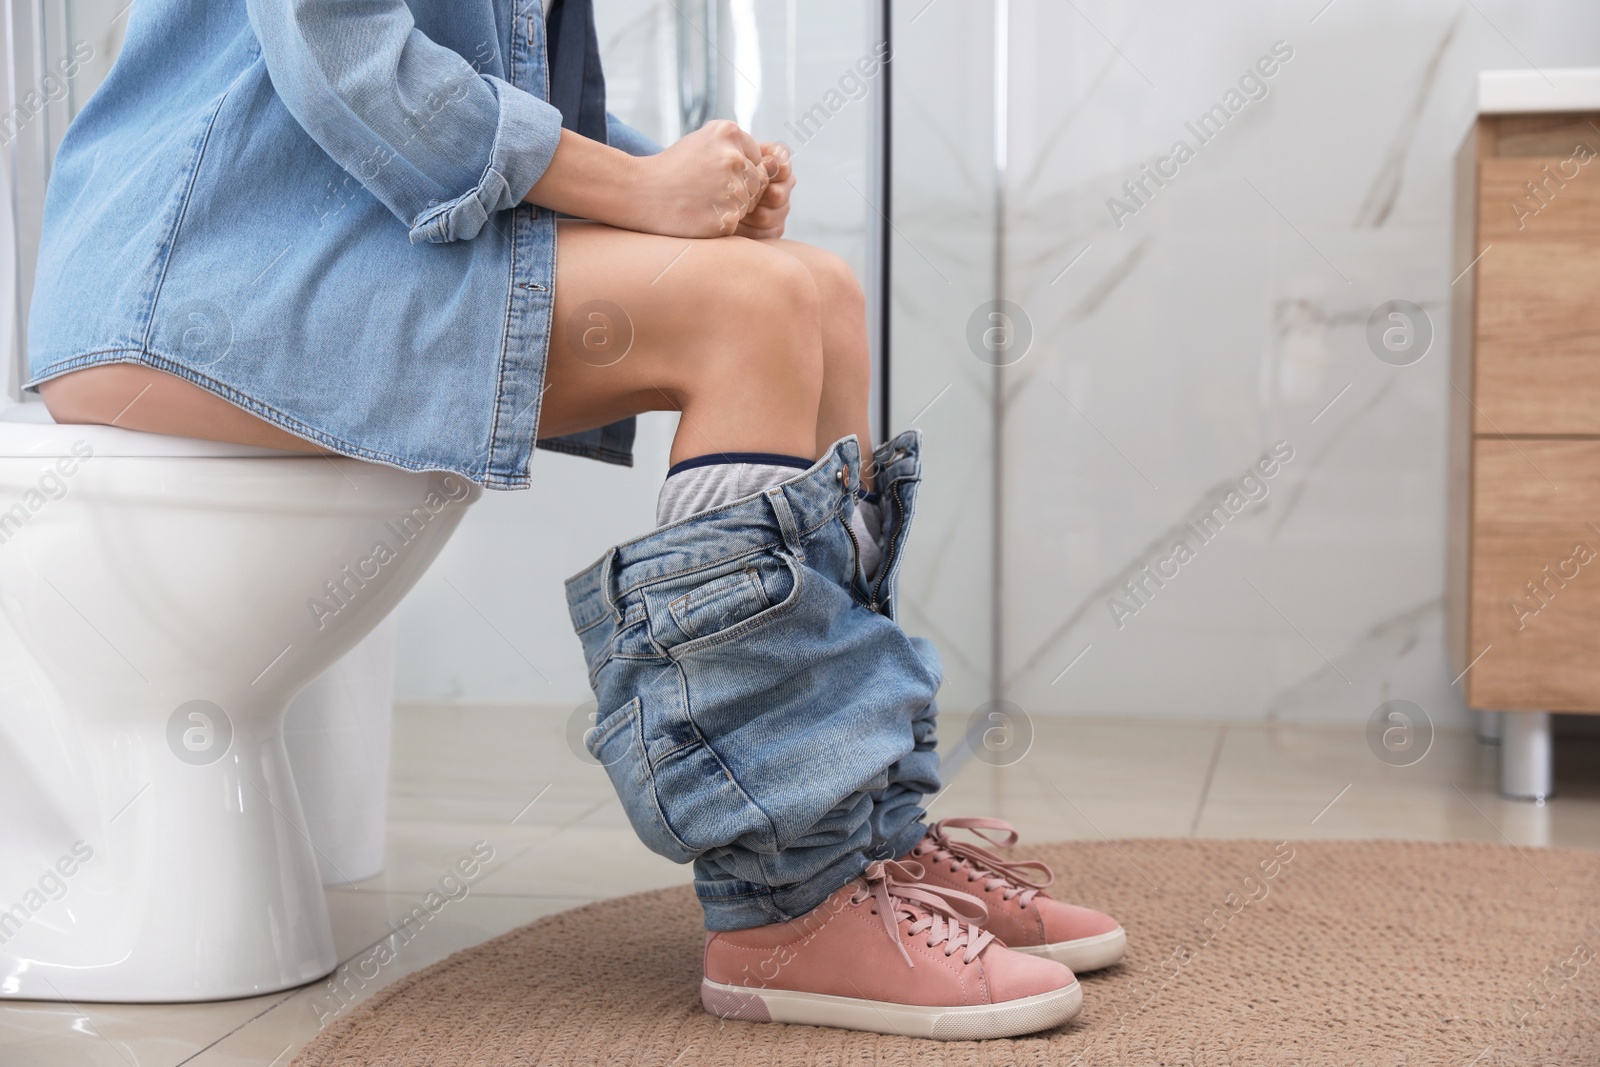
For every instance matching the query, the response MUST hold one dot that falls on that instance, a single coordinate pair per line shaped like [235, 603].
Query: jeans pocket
[732, 603]
[596, 739]
[720, 603]
[618, 743]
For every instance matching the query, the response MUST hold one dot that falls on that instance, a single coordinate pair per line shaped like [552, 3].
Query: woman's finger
[770, 233]
[777, 194]
[745, 192]
[781, 157]
[747, 144]
[764, 218]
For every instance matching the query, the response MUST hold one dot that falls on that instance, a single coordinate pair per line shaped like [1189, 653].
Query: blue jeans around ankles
[762, 714]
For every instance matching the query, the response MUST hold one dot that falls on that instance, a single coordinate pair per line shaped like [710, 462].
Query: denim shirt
[313, 208]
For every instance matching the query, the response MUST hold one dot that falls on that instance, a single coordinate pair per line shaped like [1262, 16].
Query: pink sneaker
[891, 955]
[1020, 914]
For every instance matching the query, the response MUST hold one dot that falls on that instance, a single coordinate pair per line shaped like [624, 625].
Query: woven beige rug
[1366, 954]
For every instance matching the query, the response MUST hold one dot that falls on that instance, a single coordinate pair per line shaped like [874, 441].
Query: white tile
[1225, 316]
[40, 1034]
[293, 1021]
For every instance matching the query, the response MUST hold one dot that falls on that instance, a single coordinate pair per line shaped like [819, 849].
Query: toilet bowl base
[156, 620]
[249, 920]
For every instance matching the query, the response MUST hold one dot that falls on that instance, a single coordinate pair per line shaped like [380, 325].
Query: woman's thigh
[637, 320]
[625, 288]
[143, 398]
[641, 321]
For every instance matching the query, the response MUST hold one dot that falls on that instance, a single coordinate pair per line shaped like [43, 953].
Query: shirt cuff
[620, 135]
[525, 140]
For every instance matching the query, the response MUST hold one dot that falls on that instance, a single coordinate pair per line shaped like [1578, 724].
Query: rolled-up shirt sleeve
[622, 136]
[440, 144]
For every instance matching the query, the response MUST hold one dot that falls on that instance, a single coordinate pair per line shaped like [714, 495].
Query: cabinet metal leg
[1489, 727]
[1526, 771]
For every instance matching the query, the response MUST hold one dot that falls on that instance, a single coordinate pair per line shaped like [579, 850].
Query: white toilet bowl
[161, 601]
[338, 730]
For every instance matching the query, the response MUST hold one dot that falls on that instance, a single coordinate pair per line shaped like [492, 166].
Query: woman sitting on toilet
[370, 230]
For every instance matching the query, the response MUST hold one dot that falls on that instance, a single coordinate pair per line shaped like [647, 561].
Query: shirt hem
[144, 358]
[596, 452]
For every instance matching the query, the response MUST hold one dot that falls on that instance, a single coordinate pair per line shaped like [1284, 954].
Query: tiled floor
[507, 778]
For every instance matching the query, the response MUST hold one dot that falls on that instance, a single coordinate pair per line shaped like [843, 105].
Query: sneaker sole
[1085, 954]
[977, 1022]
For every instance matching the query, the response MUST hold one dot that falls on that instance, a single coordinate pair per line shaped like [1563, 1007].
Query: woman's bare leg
[141, 398]
[846, 356]
[726, 331]
[760, 345]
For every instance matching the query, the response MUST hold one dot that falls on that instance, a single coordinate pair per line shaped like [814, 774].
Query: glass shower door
[808, 74]
[900, 180]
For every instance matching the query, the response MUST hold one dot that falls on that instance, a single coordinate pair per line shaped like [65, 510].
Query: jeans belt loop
[608, 572]
[785, 515]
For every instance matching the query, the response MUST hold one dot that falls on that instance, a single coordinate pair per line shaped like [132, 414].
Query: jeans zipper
[855, 544]
[888, 555]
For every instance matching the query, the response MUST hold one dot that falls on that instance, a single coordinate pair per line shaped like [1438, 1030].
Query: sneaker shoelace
[948, 918]
[980, 864]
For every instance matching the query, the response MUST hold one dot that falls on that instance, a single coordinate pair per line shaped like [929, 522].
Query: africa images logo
[1139, 190]
[343, 589]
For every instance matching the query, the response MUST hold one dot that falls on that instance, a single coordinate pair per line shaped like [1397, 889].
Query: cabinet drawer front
[1536, 575]
[1537, 367]
[1539, 198]
[1538, 298]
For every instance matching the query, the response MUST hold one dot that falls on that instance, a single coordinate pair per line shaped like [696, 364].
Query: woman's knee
[762, 315]
[843, 309]
[769, 292]
[837, 288]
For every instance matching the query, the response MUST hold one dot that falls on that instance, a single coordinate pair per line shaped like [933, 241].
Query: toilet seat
[27, 429]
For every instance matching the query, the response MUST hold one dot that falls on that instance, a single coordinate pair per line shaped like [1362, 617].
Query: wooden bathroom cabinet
[1523, 551]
